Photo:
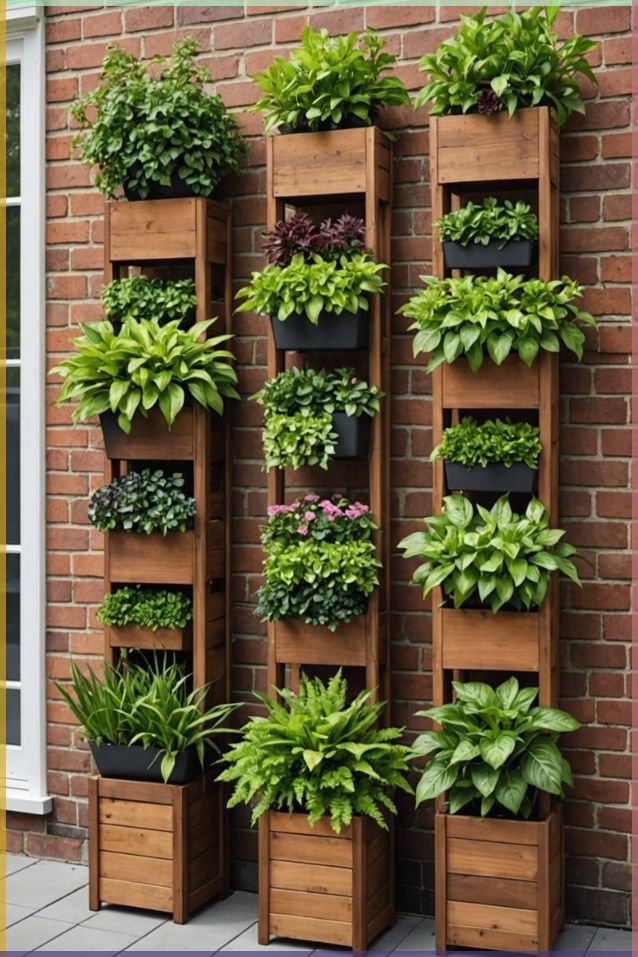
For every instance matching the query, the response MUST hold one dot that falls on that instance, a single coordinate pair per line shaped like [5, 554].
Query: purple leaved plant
[300, 234]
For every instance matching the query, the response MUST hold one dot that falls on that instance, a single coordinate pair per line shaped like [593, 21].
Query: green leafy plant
[494, 441]
[497, 315]
[320, 561]
[328, 83]
[315, 753]
[143, 364]
[495, 751]
[144, 130]
[150, 706]
[298, 408]
[146, 607]
[494, 555]
[138, 297]
[147, 501]
[312, 287]
[489, 221]
[507, 63]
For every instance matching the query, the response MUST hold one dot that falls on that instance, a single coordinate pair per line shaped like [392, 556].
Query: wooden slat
[379, 920]
[481, 640]
[153, 230]
[144, 791]
[298, 824]
[440, 883]
[503, 147]
[154, 817]
[476, 937]
[263, 874]
[512, 385]
[484, 829]
[207, 892]
[311, 928]
[319, 164]
[150, 438]
[132, 867]
[488, 859]
[492, 890]
[305, 904]
[301, 644]
[202, 868]
[163, 639]
[151, 559]
[132, 894]
[513, 920]
[94, 843]
[315, 878]
[378, 870]
[310, 850]
[136, 841]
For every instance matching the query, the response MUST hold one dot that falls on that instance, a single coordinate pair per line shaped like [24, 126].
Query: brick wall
[595, 439]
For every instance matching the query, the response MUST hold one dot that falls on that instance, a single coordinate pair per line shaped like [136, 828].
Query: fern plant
[314, 752]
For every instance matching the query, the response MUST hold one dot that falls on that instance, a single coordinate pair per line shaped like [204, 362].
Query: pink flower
[330, 510]
[303, 529]
[309, 516]
[311, 498]
[353, 380]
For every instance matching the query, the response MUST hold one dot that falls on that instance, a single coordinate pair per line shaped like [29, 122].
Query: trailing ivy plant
[298, 407]
[138, 297]
[320, 562]
[328, 83]
[300, 234]
[143, 130]
[146, 607]
[495, 556]
[146, 502]
[315, 753]
[489, 222]
[494, 752]
[508, 63]
[494, 441]
[495, 315]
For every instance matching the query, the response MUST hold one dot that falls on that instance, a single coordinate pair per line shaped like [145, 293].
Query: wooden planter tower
[173, 236]
[499, 884]
[346, 169]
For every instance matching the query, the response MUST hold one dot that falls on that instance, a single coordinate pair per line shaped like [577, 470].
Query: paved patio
[47, 910]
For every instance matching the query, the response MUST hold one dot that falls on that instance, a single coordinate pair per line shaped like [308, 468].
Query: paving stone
[247, 942]
[125, 920]
[420, 939]
[14, 913]
[17, 862]
[608, 940]
[390, 939]
[576, 938]
[32, 932]
[74, 908]
[45, 882]
[206, 932]
[87, 940]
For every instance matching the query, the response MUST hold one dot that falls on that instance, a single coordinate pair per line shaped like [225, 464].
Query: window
[24, 409]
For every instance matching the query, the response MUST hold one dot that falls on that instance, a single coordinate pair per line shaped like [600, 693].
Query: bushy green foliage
[495, 751]
[497, 315]
[138, 297]
[144, 129]
[328, 83]
[320, 561]
[498, 556]
[489, 221]
[146, 607]
[310, 287]
[150, 706]
[314, 752]
[507, 63]
[147, 501]
[494, 441]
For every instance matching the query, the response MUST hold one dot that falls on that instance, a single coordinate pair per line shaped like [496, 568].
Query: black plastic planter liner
[177, 190]
[475, 256]
[493, 478]
[136, 763]
[354, 435]
[346, 331]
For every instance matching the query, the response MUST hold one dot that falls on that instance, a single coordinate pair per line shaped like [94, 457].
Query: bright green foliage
[495, 751]
[314, 752]
[298, 407]
[149, 128]
[496, 555]
[146, 501]
[320, 561]
[515, 58]
[138, 297]
[494, 441]
[143, 364]
[150, 706]
[489, 221]
[328, 83]
[146, 607]
[312, 287]
[495, 314]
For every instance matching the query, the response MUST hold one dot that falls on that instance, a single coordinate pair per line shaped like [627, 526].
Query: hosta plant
[300, 234]
[147, 129]
[146, 608]
[507, 63]
[298, 407]
[328, 83]
[146, 705]
[315, 753]
[320, 563]
[475, 316]
[147, 501]
[492, 556]
[495, 441]
[138, 297]
[495, 752]
[489, 222]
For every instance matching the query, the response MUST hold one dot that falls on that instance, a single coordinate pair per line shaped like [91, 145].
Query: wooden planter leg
[359, 890]
[94, 844]
[180, 857]
[263, 934]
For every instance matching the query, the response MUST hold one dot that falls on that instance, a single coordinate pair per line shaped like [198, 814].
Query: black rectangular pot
[354, 435]
[475, 256]
[346, 331]
[136, 763]
[493, 478]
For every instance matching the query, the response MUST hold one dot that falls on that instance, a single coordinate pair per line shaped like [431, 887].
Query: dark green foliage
[146, 607]
[489, 221]
[494, 441]
[138, 297]
[300, 234]
[147, 501]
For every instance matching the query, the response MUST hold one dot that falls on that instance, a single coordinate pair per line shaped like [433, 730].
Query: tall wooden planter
[320, 886]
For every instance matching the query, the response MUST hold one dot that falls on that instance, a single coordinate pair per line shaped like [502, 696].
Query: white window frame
[26, 786]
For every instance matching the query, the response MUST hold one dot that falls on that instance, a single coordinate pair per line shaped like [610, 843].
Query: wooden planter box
[150, 438]
[162, 639]
[158, 559]
[156, 846]
[481, 640]
[299, 644]
[499, 883]
[320, 886]
[512, 385]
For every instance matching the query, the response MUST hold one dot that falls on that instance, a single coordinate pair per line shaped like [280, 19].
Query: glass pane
[13, 456]
[13, 129]
[13, 282]
[13, 716]
[13, 617]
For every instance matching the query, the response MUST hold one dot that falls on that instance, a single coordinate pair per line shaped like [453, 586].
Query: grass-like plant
[315, 753]
[494, 752]
[489, 222]
[146, 607]
[494, 441]
[145, 502]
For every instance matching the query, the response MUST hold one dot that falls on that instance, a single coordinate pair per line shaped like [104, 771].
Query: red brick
[50, 846]
[615, 269]
[240, 35]
[617, 51]
[197, 14]
[616, 145]
[85, 55]
[223, 67]
[62, 89]
[599, 410]
[418, 42]
[151, 18]
[605, 20]
[382, 17]
[585, 239]
[102, 25]
[61, 31]
[161, 44]
[600, 115]
[289, 29]
[607, 598]
[615, 338]
[616, 207]
[575, 148]
[613, 504]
